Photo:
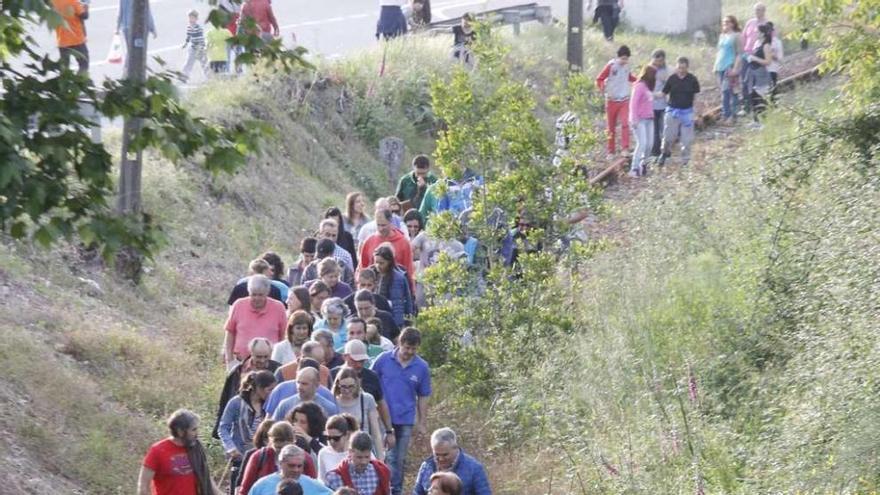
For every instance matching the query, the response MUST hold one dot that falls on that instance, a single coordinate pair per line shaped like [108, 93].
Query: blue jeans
[729, 99]
[396, 457]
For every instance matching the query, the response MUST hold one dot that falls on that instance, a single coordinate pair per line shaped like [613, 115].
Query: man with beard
[177, 465]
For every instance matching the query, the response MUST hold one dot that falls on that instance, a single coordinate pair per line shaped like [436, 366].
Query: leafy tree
[55, 183]
[848, 32]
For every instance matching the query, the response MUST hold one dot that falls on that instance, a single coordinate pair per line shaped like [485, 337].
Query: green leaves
[55, 182]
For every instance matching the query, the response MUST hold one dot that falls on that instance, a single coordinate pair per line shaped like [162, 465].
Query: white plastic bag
[115, 54]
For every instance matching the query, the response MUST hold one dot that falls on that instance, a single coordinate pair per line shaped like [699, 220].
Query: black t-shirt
[369, 382]
[681, 91]
[240, 291]
[389, 329]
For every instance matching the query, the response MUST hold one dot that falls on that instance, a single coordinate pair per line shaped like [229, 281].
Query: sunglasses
[347, 387]
[335, 438]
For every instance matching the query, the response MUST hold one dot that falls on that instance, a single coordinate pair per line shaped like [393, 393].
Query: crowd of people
[325, 390]
[657, 106]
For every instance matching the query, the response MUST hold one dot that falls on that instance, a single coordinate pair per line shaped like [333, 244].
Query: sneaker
[741, 113]
[662, 161]
[634, 174]
[643, 169]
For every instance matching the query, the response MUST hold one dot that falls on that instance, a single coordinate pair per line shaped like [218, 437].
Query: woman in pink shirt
[254, 316]
[641, 118]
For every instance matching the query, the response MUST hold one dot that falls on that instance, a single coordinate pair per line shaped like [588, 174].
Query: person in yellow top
[71, 35]
[217, 48]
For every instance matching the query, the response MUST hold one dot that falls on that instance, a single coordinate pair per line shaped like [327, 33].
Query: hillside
[701, 346]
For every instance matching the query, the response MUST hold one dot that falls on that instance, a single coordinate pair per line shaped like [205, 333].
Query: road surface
[330, 28]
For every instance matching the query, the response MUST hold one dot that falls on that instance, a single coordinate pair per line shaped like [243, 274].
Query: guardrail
[513, 16]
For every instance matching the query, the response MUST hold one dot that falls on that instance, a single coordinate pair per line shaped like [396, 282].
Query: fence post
[575, 35]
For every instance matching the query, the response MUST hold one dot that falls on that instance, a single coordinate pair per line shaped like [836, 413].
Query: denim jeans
[659, 115]
[644, 132]
[729, 99]
[396, 457]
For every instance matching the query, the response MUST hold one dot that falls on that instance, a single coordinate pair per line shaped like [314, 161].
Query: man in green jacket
[413, 185]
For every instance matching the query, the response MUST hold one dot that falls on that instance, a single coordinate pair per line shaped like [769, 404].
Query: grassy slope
[90, 375]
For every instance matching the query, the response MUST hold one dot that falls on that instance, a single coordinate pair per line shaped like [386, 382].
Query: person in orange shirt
[71, 35]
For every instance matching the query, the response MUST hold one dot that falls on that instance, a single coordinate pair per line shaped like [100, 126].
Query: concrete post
[673, 16]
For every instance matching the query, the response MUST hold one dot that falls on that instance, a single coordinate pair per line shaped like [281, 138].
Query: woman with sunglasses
[350, 399]
[339, 430]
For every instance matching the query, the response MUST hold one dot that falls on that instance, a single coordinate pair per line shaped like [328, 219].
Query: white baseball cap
[356, 350]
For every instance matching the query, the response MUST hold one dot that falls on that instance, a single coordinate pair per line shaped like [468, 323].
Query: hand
[390, 441]
[421, 430]
[420, 181]
[300, 433]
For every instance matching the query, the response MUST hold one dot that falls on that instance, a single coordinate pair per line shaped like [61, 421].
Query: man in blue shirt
[291, 461]
[448, 456]
[406, 385]
[307, 391]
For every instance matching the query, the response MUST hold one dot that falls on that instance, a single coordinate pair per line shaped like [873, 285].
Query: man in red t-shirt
[177, 465]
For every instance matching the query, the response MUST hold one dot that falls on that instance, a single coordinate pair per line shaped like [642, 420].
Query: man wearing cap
[307, 250]
[325, 249]
[356, 358]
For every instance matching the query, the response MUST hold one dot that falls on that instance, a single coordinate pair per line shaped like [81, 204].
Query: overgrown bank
[675, 305]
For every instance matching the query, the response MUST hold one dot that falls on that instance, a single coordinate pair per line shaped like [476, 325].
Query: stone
[673, 16]
[92, 288]
[391, 151]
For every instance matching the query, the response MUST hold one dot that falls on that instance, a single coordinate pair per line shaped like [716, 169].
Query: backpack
[459, 196]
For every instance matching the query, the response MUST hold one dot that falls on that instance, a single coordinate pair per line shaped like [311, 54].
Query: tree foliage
[848, 32]
[55, 182]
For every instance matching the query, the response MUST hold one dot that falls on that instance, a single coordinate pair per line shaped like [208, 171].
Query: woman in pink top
[251, 317]
[641, 118]
[264, 17]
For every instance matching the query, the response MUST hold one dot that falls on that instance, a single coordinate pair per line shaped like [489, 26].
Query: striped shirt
[195, 36]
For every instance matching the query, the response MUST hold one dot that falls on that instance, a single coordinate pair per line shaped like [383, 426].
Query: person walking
[760, 82]
[447, 456]
[608, 13]
[241, 417]
[260, 11]
[412, 187]
[406, 385]
[71, 34]
[124, 21]
[750, 37]
[218, 57]
[728, 61]
[392, 22]
[641, 117]
[360, 471]
[615, 81]
[681, 88]
[177, 465]
[658, 60]
[195, 46]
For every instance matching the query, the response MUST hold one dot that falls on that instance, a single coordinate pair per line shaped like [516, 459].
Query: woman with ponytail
[338, 431]
[243, 415]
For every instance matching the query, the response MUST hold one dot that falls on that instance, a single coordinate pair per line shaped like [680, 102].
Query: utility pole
[575, 52]
[128, 261]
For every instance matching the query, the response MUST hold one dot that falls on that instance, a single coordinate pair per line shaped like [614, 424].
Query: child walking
[615, 81]
[195, 40]
[217, 49]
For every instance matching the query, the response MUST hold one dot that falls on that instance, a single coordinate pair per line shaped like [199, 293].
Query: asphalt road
[330, 28]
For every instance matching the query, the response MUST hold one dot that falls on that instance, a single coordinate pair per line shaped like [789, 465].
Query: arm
[422, 417]
[144, 479]
[228, 346]
[227, 423]
[422, 479]
[481, 482]
[271, 15]
[603, 76]
[251, 474]
[377, 432]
